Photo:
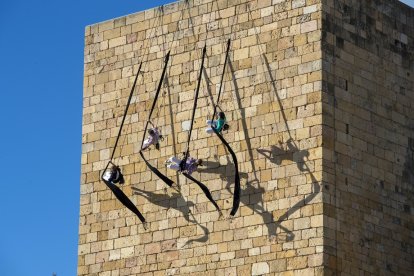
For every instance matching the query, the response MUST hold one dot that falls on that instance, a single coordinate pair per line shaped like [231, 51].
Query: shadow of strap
[205, 190]
[125, 200]
[236, 194]
[167, 181]
[202, 239]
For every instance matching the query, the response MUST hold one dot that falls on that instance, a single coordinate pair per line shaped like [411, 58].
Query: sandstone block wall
[368, 100]
[318, 95]
[272, 98]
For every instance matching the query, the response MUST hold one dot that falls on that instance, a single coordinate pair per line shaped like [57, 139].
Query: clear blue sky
[41, 74]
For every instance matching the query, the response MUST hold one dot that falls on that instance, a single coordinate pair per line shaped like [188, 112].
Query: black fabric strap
[205, 190]
[123, 120]
[115, 190]
[194, 109]
[182, 164]
[167, 181]
[126, 111]
[167, 57]
[125, 200]
[222, 78]
[236, 194]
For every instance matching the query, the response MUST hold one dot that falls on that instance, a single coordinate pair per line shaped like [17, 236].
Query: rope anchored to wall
[112, 176]
[164, 178]
[236, 196]
[183, 163]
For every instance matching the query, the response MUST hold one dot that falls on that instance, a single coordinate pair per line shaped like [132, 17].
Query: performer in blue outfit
[216, 124]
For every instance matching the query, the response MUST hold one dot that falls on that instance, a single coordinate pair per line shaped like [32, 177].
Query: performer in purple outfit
[190, 165]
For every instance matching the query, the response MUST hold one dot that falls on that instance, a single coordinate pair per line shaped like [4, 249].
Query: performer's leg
[173, 166]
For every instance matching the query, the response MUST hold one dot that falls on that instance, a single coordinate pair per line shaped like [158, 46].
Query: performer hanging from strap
[217, 131]
[154, 132]
[219, 125]
[113, 175]
[190, 165]
[153, 138]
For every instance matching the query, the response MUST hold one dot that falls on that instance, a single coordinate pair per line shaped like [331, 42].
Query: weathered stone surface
[319, 98]
[260, 268]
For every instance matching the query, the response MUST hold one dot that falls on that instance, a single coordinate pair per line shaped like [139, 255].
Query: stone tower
[319, 96]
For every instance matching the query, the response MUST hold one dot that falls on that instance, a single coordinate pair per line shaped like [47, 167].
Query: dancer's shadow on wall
[251, 195]
[169, 201]
[292, 153]
[276, 154]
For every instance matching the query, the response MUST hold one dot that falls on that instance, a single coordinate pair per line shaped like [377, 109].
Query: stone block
[295, 77]
[260, 268]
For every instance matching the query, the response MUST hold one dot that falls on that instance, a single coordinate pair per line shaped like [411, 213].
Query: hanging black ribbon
[236, 195]
[182, 164]
[115, 190]
[167, 181]
[194, 109]
[222, 78]
[125, 113]
[124, 200]
[164, 178]
[205, 190]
